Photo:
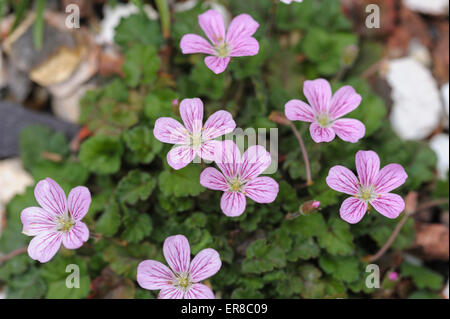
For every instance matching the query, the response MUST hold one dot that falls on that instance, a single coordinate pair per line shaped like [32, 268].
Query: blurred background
[53, 52]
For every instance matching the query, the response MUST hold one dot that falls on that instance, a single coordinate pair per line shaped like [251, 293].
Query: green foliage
[138, 200]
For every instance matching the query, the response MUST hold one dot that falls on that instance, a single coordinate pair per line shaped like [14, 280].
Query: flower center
[366, 194]
[65, 224]
[323, 120]
[183, 282]
[222, 50]
[236, 184]
[196, 140]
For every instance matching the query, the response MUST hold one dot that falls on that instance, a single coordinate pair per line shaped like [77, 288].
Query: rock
[432, 7]
[14, 118]
[420, 53]
[440, 145]
[112, 16]
[417, 106]
[67, 107]
[3, 78]
[13, 175]
[445, 93]
[432, 240]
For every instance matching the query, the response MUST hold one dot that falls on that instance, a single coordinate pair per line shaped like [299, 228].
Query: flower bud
[309, 207]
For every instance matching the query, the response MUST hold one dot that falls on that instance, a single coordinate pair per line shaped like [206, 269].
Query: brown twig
[13, 254]
[309, 180]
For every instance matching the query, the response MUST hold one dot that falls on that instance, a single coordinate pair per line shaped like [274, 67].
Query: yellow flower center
[323, 120]
[183, 281]
[65, 223]
[222, 50]
[366, 194]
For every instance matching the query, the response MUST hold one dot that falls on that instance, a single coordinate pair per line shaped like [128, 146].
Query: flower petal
[168, 130]
[199, 291]
[353, 210]
[318, 93]
[191, 111]
[241, 27]
[171, 293]
[297, 110]
[390, 177]
[44, 246]
[213, 25]
[233, 204]
[192, 43]
[254, 161]
[244, 47]
[218, 124]
[75, 238]
[205, 264]
[367, 166]
[349, 130]
[36, 220]
[213, 179]
[389, 205]
[180, 156]
[262, 190]
[79, 201]
[177, 253]
[343, 180]
[51, 196]
[152, 274]
[228, 158]
[344, 101]
[208, 150]
[321, 134]
[217, 64]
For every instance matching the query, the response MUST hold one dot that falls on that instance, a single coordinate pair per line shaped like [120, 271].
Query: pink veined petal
[171, 293]
[217, 64]
[177, 252]
[233, 204]
[353, 210]
[248, 46]
[205, 264]
[192, 43]
[262, 190]
[213, 179]
[208, 150]
[168, 130]
[152, 275]
[75, 238]
[321, 134]
[218, 124]
[180, 156]
[254, 161]
[79, 201]
[199, 291]
[343, 102]
[349, 130]
[44, 246]
[367, 166]
[242, 26]
[390, 177]
[343, 180]
[36, 220]
[191, 111]
[213, 25]
[318, 93]
[51, 196]
[228, 158]
[297, 110]
[389, 205]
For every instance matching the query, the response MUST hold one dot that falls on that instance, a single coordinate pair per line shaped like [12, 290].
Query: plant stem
[309, 180]
[13, 254]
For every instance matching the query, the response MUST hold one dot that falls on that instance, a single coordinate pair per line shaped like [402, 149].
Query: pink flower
[315, 204]
[182, 280]
[325, 110]
[193, 138]
[393, 276]
[237, 41]
[239, 177]
[372, 188]
[290, 1]
[58, 221]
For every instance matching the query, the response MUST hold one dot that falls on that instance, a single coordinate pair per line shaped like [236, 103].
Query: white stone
[3, 79]
[417, 106]
[445, 291]
[445, 92]
[433, 7]
[13, 178]
[440, 145]
[68, 107]
[112, 16]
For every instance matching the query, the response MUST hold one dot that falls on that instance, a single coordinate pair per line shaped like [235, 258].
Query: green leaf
[180, 183]
[263, 257]
[141, 65]
[101, 154]
[338, 240]
[135, 186]
[141, 141]
[26, 286]
[137, 226]
[422, 277]
[344, 269]
[137, 29]
[109, 222]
